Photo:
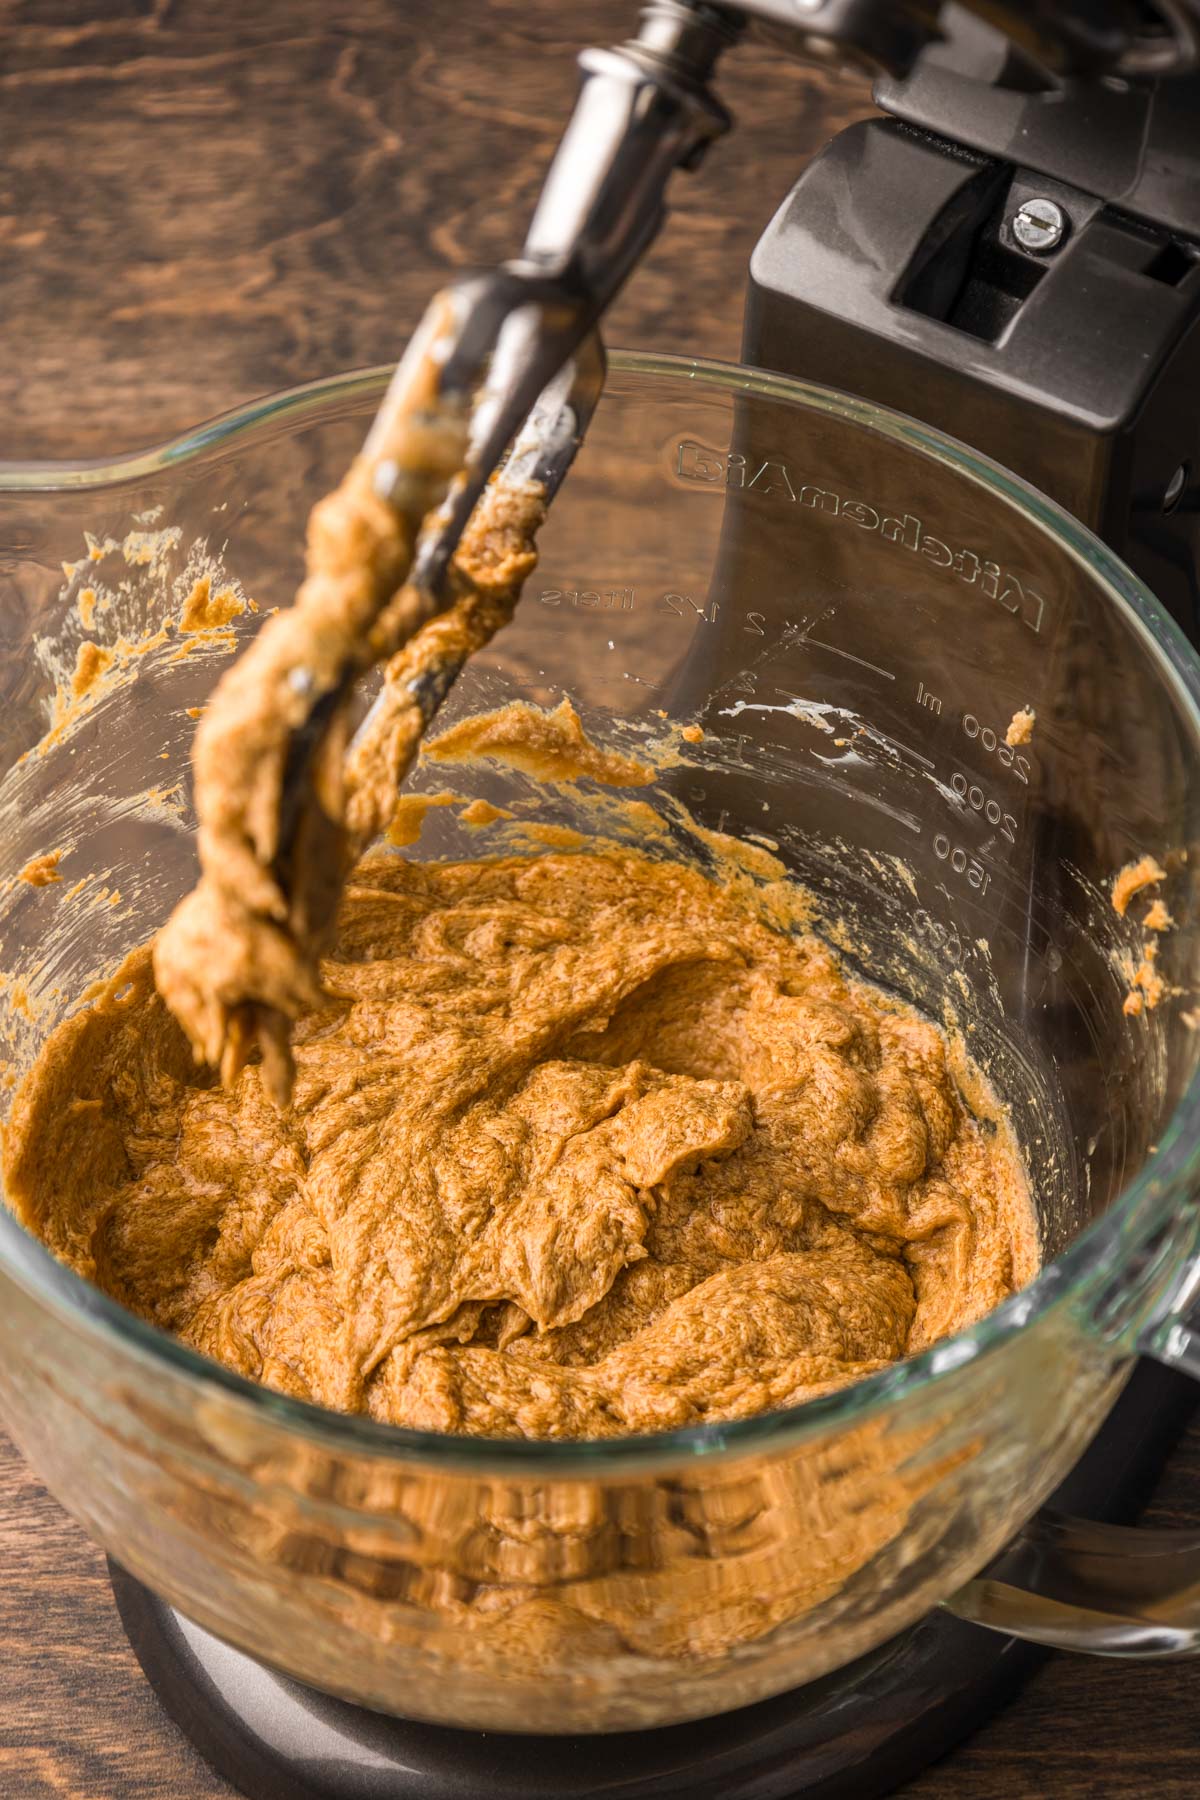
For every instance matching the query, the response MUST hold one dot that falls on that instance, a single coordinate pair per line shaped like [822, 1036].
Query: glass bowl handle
[1110, 1590]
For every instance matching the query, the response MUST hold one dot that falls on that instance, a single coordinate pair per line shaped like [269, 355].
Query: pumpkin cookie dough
[238, 959]
[577, 1146]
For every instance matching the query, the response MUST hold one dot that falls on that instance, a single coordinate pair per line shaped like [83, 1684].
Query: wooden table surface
[202, 200]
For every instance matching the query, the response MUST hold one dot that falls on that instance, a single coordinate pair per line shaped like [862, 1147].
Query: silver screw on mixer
[1039, 226]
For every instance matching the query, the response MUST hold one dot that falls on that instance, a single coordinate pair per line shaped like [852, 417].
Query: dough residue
[1147, 987]
[42, 871]
[481, 812]
[1131, 880]
[409, 816]
[1020, 727]
[205, 611]
[238, 961]
[550, 746]
[91, 663]
[578, 1146]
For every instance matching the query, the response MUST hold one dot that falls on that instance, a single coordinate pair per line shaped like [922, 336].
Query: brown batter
[553, 1147]
[238, 959]
[42, 871]
[577, 1146]
[1020, 727]
[283, 812]
[1133, 879]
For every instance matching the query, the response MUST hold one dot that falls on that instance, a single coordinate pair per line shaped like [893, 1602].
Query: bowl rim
[1063, 1282]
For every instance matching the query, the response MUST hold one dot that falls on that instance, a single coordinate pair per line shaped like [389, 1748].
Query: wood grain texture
[202, 200]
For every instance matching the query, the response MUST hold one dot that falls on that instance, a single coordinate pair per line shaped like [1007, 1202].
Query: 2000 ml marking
[771, 479]
[986, 804]
[977, 865]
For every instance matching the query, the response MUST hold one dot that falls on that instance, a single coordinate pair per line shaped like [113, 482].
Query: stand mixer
[1007, 258]
[1010, 255]
[905, 267]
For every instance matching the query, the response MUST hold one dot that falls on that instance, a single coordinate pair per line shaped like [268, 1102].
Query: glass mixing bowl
[853, 608]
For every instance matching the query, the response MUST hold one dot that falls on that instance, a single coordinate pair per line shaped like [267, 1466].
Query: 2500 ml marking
[996, 746]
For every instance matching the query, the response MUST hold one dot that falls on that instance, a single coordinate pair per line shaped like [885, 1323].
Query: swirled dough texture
[578, 1146]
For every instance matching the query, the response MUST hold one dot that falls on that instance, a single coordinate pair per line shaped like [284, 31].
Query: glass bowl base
[861, 1732]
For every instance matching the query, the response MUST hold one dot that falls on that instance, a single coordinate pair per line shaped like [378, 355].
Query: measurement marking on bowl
[907, 819]
[900, 748]
[972, 794]
[976, 865]
[992, 742]
[801, 632]
[944, 937]
[836, 650]
[866, 728]
[893, 812]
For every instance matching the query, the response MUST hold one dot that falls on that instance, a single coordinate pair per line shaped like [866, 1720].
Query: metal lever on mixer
[644, 110]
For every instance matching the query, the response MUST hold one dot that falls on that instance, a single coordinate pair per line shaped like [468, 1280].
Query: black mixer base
[861, 1732]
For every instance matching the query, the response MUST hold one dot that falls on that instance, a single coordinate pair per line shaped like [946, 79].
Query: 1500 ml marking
[962, 862]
